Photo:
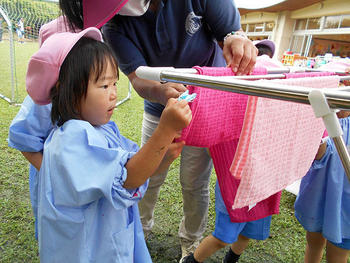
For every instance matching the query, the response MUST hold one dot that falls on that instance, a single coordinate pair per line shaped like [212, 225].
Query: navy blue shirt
[181, 34]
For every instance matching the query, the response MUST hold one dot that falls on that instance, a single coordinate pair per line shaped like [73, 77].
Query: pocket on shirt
[124, 244]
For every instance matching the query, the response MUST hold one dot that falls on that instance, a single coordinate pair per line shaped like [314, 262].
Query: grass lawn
[17, 243]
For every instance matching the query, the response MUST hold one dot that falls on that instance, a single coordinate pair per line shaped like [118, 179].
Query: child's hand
[176, 116]
[173, 152]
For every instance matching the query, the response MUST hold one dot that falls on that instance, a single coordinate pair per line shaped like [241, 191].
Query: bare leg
[240, 245]
[314, 247]
[336, 254]
[208, 247]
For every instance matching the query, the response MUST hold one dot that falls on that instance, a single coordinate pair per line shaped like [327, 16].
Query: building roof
[288, 5]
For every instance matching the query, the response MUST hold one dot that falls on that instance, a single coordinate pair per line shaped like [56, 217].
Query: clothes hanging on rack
[217, 123]
[213, 126]
[278, 143]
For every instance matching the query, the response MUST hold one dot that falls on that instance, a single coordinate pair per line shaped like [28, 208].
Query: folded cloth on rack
[278, 143]
[208, 120]
[336, 66]
[222, 155]
[307, 74]
[216, 123]
[213, 113]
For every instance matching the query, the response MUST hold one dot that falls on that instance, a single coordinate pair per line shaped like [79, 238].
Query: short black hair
[86, 57]
[264, 50]
[73, 12]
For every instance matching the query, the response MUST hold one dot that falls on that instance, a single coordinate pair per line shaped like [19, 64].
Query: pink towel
[222, 155]
[278, 143]
[217, 121]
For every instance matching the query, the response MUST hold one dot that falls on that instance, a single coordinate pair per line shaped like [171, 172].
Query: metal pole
[336, 99]
[343, 154]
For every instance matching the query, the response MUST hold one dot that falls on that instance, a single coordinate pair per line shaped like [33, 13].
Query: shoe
[188, 247]
[230, 257]
[187, 259]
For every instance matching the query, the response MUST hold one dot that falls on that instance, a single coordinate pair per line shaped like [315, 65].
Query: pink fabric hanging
[278, 143]
[217, 122]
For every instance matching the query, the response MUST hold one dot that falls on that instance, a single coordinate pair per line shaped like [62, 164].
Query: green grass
[17, 243]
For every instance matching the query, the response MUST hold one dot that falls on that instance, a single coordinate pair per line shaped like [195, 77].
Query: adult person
[179, 33]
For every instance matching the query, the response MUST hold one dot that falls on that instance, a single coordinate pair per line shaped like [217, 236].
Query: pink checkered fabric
[216, 123]
[278, 143]
[222, 155]
[208, 108]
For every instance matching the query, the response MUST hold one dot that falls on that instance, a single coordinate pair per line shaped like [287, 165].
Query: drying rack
[323, 101]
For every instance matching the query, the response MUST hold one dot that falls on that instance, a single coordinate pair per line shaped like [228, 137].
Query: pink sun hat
[44, 66]
[58, 25]
[97, 13]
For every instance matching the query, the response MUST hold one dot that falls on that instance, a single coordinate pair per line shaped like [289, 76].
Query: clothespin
[187, 97]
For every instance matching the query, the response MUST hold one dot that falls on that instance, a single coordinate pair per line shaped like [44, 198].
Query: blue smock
[323, 203]
[85, 214]
[180, 34]
[28, 132]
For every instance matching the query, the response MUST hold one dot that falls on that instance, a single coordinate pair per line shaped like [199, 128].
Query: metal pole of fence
[12, 58]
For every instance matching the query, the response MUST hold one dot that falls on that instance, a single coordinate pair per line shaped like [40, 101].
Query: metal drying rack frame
[323, 101]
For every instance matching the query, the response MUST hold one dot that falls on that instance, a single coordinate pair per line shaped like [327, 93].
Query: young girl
[323, 204]
[92, 177]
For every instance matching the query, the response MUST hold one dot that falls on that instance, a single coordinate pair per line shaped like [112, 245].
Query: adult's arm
[223, 18]
[155, 91]
[129, 58]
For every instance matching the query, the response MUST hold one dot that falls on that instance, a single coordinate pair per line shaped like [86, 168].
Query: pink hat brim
[97, 13]
[44, 65]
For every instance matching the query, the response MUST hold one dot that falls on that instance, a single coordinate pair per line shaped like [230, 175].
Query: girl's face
[98, 105]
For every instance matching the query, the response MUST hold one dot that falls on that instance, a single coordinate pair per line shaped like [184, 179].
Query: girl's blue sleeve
[83, 168]
[31, 126]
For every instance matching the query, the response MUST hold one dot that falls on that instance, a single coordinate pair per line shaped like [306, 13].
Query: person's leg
[226, 232]
[338, 253]
[240, 245]
[195, 169]
[208, 247]
[148, 202]
[314, 247]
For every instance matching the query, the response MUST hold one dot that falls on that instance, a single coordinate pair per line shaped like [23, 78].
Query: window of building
[332, 22]
[301, 24]
[269, 26]
[345, 21]
[314, 23]
[259, 27]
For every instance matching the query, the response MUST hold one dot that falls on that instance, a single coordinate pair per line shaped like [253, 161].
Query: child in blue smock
[91, 177]
[323, 204]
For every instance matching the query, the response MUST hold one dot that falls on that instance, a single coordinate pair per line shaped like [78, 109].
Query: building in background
[307, 27]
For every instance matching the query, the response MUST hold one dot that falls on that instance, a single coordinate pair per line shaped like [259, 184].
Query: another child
[323, 204]
[227, 232]
[91, 177]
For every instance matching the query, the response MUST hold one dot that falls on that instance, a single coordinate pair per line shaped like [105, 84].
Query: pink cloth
[278, 143]
[220, 132]
[307, 75]
[204, 132]
[222, 155]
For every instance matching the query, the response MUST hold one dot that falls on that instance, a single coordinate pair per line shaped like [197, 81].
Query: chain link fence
[20, 22]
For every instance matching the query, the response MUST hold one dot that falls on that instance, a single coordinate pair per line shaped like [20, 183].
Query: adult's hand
[240, 54]
[155, 91]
